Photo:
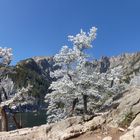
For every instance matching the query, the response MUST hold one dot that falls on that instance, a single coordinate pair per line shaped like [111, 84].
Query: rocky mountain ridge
[36, 70]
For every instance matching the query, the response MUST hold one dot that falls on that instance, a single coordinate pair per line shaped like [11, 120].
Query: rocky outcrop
[35, 71]
[135, 122]
[134, 134]
[41, 65]
[127, 110]
[71, 128]
[62, 130]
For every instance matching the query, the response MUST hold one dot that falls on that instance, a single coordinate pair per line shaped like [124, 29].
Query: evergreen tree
[72, 79]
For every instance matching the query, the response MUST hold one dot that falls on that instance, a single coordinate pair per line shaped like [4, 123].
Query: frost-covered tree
[73, 79]
[77, 79]
[12, 97]
[9, 96]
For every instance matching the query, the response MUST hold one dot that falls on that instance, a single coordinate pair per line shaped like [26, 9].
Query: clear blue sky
[40, 27]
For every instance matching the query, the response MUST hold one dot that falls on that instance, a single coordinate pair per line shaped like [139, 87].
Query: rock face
[128, 108]
[41, 65]
[130, 63]
[35, 71]
[135, 122]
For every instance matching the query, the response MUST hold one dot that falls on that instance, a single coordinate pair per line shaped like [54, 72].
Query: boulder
[134, 134]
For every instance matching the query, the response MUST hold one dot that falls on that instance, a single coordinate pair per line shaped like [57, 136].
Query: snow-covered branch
[5, 56]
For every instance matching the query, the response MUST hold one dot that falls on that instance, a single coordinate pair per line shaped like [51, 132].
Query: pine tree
[72, 78]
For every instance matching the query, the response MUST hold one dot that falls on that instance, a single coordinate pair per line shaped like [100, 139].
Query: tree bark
[17, 124]
[4, 120]
[74, 104]
[85, 103]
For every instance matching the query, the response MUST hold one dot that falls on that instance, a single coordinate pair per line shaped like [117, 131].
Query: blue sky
[41, 27]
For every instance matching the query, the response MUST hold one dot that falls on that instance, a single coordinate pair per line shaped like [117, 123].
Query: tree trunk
[17, 124]
[85, 103]
[74, 104]
[4, 120]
